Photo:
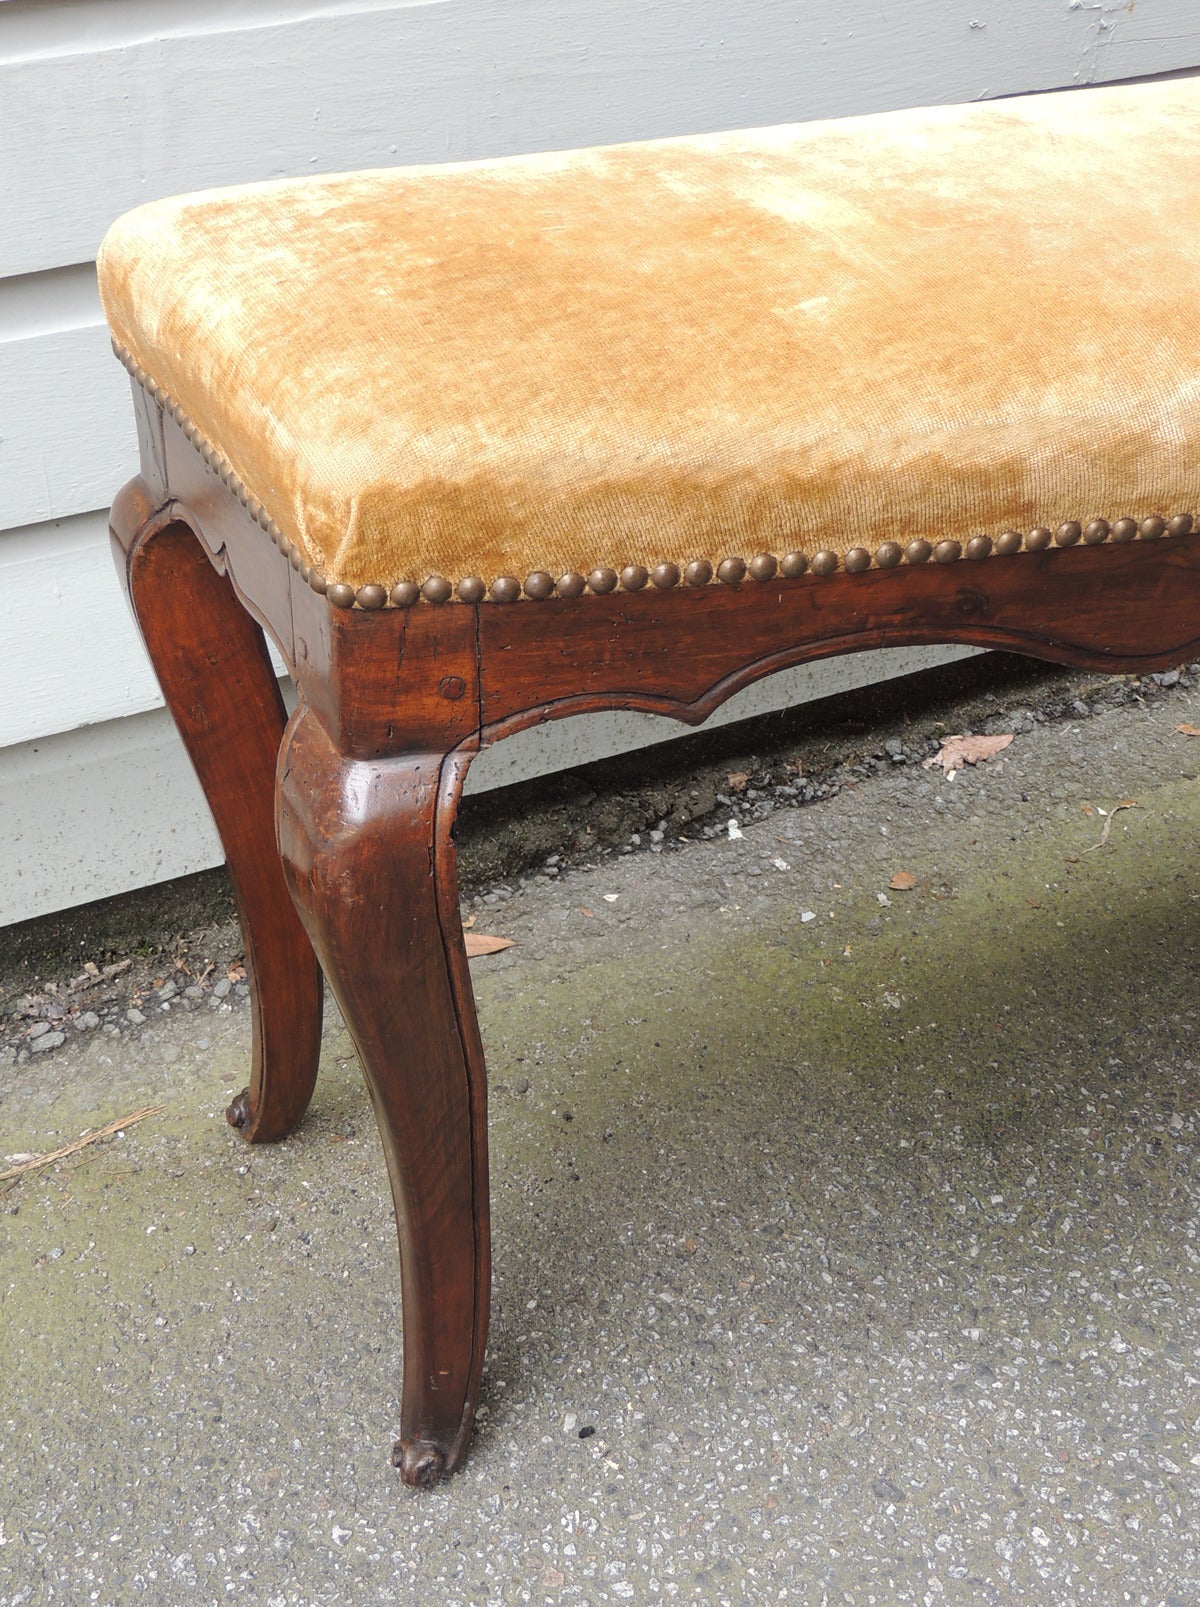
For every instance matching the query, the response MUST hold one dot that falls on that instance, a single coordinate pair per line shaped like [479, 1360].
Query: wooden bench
[490, 444]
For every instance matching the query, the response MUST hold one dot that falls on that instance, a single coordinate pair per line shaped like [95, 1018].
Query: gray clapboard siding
[71, 655]
[465, 78]
[105, 103]
[68, 439]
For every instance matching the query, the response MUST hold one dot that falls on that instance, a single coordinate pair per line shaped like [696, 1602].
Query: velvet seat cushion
[935, 323]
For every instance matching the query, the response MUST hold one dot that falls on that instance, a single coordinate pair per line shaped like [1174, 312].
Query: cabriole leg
[212, 665]
[370, 860]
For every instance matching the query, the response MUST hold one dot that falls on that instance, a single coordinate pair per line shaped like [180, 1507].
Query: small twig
[1128, 803]
[39, 1161]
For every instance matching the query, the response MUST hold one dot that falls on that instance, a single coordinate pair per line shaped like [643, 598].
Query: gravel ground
[847, 1234]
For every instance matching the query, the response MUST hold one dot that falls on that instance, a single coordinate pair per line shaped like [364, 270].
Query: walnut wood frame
[359, 789]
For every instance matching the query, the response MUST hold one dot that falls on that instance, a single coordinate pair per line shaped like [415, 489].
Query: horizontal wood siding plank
[67, 440]
[467, 78]
[70, 653]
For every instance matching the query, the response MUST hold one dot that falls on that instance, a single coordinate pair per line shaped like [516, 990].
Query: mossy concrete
[868, 1244]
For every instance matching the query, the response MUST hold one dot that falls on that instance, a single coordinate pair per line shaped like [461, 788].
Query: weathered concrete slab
[868, 1244]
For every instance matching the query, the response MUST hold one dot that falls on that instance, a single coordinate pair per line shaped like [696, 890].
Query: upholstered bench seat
[490, 444]
[933, 325]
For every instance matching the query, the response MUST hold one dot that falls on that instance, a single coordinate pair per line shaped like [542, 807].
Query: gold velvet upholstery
[935, 323]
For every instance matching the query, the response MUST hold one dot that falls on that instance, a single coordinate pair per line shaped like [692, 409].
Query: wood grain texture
[486, 77]
[212, 664]
[370, 860]
[681, 653]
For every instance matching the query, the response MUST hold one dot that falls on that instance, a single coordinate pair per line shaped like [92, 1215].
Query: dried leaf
[959, 750]
[1188, 730]
[738, 781]
[903, 882]
[236, 973]
[481, 943]
[469, 922]
[591, 914]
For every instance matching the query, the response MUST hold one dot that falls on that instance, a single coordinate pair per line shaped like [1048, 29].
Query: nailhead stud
[285, 547]
[1009, 542]
[318, 582]
[1152, 528]
[698, 572]
[296, 559]
[634, 577]
[341, 595]
[1069, 533]
[1096, 531]
[889, 554]
[539, 585]
[437, 589]
[1038, 539]
[506, 589]
[1124, 529]
[947, 552]
[825, 563]
[405, 593]
[665, 576]
[763, 566]
[794, 564]
[1180, 524]
[602, 581]
[371, 597]
[919, 551]
[979, 547]
[730, 571]
[572, 584]
[856, 560]
[470, 589]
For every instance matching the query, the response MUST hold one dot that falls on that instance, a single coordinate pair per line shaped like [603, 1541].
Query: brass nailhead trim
[764, 566]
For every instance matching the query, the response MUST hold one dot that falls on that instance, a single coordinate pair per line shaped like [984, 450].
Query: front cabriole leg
[369, 858]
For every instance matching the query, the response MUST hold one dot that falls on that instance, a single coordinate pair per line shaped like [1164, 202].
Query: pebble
[87, 1021]
[48, 1040]
[38, 1028]
[135, 1016]
[221, 987]
[167, 991]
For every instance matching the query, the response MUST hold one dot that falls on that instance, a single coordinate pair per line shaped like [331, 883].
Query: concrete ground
[847, 1237]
